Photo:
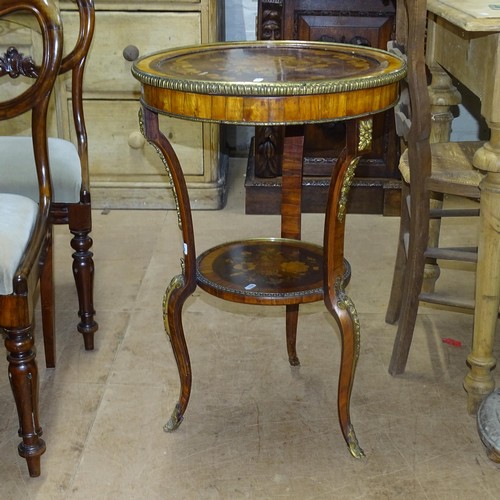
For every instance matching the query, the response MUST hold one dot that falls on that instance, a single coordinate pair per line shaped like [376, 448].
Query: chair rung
[438, 213]
[465, 254]
[437, 298]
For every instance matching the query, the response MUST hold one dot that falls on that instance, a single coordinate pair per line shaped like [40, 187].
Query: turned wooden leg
[479, 381]
[292, 317]
[83, 271]
[343, 311]
[23, 376]
[442, 95]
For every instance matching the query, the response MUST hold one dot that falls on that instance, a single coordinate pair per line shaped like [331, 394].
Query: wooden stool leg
[414, 274]
[23, 376]
[394, 306]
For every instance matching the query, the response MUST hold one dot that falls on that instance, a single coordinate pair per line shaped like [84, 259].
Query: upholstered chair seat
[17, 218]
[18, 176]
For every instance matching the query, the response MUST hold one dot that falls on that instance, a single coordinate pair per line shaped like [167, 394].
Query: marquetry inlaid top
[269, 82]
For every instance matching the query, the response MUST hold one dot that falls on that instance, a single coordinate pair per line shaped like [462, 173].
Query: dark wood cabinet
[376, 188]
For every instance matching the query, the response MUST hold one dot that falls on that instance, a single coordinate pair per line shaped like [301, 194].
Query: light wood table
[271, 83]
[464, 39]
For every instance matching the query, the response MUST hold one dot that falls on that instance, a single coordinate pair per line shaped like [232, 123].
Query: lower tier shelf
[268, 271]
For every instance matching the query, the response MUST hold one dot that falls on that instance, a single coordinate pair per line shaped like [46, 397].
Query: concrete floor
[255, 427]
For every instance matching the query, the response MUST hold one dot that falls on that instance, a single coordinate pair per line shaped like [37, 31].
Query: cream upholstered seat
[18, 176]
[17, 219]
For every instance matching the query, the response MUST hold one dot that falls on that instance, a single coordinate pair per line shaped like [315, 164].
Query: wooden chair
[70, 179]
[25, 225]
[429, 172]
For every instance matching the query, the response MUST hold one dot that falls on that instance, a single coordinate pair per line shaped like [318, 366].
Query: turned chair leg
[292, 316]
[23, 376]
[83, 271]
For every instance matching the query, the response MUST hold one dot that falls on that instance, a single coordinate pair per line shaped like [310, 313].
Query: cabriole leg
[172, 317]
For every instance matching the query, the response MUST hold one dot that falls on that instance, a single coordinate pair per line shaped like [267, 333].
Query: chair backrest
[36, 97]
[413, 113]
[74, 63]
[33, 99]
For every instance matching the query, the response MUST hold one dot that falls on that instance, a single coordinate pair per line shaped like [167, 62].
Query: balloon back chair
[25, 224]
[70, 178]
[429, 172]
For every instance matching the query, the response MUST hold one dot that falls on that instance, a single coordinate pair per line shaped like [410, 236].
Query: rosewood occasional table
[270, 83]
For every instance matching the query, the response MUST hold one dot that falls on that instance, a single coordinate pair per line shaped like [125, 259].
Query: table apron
[258, 110]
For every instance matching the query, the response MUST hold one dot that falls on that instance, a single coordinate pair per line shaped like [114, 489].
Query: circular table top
[198, 81]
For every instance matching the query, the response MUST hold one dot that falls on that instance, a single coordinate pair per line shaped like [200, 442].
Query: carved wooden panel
[376, 187]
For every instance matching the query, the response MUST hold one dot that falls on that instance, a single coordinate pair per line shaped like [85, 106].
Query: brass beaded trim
[269, 89]
[203, 280]
[275, 89]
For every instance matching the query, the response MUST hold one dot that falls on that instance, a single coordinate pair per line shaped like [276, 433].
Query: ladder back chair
[429, 172]
[25, 225]
[70, 177]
